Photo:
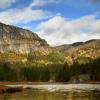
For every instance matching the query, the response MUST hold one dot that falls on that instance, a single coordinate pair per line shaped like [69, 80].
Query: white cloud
[38, 3]
[6, 3]
[43, 2]
[25, 15]
[22, 16]
[59, 30]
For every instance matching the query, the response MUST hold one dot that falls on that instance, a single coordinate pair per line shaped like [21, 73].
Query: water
[56, 92]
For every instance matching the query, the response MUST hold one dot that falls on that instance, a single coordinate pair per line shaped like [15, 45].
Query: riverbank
[30, 83]
[6, 90]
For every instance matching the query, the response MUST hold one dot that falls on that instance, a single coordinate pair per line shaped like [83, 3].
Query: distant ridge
[65, 47]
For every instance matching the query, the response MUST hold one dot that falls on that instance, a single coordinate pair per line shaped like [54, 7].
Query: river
[55, 92]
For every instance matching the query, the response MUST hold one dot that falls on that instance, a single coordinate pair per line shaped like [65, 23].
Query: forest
[61, 72]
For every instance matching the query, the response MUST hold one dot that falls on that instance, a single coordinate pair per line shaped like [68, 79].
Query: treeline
[48, 73]
[92, 69]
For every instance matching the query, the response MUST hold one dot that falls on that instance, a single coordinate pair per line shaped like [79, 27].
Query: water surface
[56, 92]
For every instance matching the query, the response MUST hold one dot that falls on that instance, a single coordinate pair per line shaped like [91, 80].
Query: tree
[63, 74]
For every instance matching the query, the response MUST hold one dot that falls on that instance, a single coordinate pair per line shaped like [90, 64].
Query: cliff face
[19, 40]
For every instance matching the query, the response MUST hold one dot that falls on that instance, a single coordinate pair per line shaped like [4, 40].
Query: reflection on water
[36, 94]
[44, 95]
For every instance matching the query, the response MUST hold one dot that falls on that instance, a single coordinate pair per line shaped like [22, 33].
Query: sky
[57, 21]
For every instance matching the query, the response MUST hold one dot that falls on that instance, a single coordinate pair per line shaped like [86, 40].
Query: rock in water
[20, 40]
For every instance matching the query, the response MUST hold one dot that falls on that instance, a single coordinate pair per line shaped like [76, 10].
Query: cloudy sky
[57, 21]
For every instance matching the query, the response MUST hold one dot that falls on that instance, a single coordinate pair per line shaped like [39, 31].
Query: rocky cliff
[20, 40]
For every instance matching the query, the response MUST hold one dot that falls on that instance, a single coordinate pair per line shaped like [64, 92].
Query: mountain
[84, 52]
[21, 41]
[65, 47]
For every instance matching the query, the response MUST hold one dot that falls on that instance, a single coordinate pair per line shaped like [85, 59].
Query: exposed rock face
[20, 40]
